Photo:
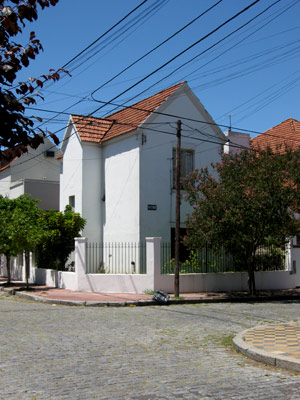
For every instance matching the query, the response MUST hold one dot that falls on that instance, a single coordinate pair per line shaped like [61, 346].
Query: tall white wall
[92, 203]
[5, 182]
[71, 173]
[121, 206]
[156, 163]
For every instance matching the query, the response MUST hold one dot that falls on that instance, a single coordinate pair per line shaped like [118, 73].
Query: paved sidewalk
[277, 345]
[64, 296]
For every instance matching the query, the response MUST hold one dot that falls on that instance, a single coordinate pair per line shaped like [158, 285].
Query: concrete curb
[142, 303]
[263, 356]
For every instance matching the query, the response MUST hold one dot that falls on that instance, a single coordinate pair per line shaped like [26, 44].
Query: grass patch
[148, 291]
[227, 341]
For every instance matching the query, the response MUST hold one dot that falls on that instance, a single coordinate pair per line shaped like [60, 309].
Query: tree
[246, 200]
[57, 241]
[21, 228]
[17, 131]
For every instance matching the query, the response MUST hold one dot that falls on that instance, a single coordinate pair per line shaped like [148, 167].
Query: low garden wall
[153, 279]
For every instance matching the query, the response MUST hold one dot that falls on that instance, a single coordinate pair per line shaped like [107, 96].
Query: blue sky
[253, 75]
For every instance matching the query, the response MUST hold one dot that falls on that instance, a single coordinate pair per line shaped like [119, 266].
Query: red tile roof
[5, 163]
[277, 138]
[92, 129]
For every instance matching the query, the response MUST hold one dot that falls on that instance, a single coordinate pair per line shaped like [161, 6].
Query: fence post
[153, 260]
[80, 260]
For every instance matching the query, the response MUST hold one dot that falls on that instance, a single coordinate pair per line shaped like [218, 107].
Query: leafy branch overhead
[17, 131]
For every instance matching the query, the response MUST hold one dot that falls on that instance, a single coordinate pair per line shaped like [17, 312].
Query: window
[50, 153]
[186, 163]
[72, 202]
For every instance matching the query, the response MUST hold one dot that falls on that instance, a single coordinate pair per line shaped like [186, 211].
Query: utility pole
[177, 217]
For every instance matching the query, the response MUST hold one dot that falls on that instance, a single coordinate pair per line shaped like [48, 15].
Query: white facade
[36, 173]
[237, 141]
[124, 187]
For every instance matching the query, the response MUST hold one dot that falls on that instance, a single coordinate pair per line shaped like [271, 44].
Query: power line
[250, 34]
[139, 19]
[152, 112]
[203, 52]
[156, 47]
[105, 103]
[182, 52]
[143, 16]
[104, 34]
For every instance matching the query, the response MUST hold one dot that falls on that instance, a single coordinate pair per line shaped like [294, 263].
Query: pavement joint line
[260, 355]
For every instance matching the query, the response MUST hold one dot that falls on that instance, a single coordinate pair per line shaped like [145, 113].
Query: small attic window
[50, 153]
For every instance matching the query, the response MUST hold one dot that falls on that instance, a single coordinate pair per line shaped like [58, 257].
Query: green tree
[58, 238]
[244, 201]
[17, 131]
[21, 229]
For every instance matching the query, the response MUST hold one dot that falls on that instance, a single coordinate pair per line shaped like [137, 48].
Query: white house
[117, 171]
[237, 141]
[36, 173]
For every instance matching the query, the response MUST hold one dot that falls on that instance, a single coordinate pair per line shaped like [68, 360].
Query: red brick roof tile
[277, 138]
[5, 163]
[97, 130]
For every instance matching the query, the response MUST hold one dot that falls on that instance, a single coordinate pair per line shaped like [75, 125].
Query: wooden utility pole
[177, 217]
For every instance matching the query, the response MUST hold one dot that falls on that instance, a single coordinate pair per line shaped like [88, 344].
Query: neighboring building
[36, 173]
[277, 138]
[237, 142]
[118, 172]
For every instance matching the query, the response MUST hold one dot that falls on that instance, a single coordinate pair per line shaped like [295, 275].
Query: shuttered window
[186, 163]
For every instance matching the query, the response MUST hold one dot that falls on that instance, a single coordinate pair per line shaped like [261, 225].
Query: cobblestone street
[137, 353]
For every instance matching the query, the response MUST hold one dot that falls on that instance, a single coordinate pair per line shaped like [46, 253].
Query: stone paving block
[55, 352]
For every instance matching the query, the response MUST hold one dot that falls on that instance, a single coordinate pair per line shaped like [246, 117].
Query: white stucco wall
[71, 173]
[5, 183]
[92, 204]
[35, 174]
[113, 183]
[121, 188]
[156, 162]
[238, 142]
[34, 164]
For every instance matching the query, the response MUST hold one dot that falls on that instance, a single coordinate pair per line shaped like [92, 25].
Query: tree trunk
[8, 268]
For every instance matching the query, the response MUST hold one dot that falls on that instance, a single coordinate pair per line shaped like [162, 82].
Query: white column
[80, 260]
[153, 260]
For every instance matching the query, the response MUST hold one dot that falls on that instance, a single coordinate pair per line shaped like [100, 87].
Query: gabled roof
[5, 164]
[14, 153]
[97, 130]
[9, 156]
[286, 134]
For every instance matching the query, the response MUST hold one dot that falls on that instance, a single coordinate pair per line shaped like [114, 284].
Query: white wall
[34, 164]
[92, 204]
[121, 188]
[16, 189]
[34, 174]
[153, 280]
[71, 173]
[5, 182]
[238, 142]
[156, 161]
